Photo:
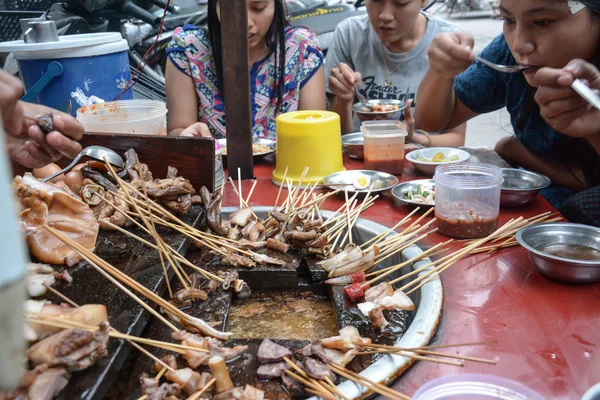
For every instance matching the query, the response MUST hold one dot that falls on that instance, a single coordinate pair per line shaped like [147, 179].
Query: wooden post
[236, 87]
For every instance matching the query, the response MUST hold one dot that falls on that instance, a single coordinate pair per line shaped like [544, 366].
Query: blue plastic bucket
[94, 64]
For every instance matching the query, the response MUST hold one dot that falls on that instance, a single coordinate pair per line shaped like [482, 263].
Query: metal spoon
[509, 69]
[363, 100]
[95, 152]
[587, 93]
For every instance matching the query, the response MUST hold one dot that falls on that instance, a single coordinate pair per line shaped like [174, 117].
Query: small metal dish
[399, 190]
[358, 107]
[344, 180]
[257, 156]
[353, 145]
[521, 187]
[543, 239]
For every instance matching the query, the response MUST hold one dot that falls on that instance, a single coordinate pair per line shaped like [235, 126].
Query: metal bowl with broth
[521, 187]
[563, 251]
[260, 147]
[353, 144]
[388, 108]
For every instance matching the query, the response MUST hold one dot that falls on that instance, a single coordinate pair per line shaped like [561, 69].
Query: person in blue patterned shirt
[537, 33]
[285, 65]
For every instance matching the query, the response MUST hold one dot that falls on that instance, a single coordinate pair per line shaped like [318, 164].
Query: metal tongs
[96, 152]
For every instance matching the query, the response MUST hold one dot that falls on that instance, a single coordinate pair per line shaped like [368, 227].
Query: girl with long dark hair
[285, 64]
[537, 34]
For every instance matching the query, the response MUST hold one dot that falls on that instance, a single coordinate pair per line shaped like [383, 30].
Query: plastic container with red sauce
[467, 199]
[474, 387]
[384, 146]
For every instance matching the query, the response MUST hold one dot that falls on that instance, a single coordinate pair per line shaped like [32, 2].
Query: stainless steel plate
[357, 107]
[399, 190]
[345, 180]
[265, 142]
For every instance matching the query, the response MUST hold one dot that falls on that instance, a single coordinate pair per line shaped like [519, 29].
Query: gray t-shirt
[356, 44]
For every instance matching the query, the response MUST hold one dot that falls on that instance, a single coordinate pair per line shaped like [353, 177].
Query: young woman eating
[285, 64]
[537, 33]
[385, 54]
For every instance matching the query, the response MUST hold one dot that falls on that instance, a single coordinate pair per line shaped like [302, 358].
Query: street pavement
[486, 129]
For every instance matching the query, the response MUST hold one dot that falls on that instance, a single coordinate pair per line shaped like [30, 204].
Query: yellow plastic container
[310, 139]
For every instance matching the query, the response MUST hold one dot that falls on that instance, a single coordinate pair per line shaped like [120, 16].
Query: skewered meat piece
[45, 122]
[170, 360]
[206, 196]
[189, 294]
[99, 177]
[241, 217]
[299, 236]
[231, 394]
[252, 393]
[322, 252]
[44, 203]
[277, 245]
[39, 275]
[328, 356]
[246, 244]
[92, 194]
[180, 205]
[89, 314]
[377, 318]
[189, 380]
[228, 278]
[198, 325]
[218, 369]
[347, 339]
[279, 217]
[196, 358]
[257, 230]
[213, 217]
[152, 388]
[113, 212]
[234, 233]
[48, 384]
[320, 241]
[271, 371]
[295, 388]
[350, 253]
[366, 261]
[317, 370]
[382, 290]
[265, 259]
[63, 276]
[74, 349]
[164, 187]
[270, 352]
[237, 260]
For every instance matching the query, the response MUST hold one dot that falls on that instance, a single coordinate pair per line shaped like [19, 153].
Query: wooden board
[194, 158]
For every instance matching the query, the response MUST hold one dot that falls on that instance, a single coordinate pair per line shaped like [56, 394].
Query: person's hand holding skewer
[27, 143]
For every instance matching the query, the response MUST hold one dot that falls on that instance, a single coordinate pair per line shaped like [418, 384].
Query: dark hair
[275, 41]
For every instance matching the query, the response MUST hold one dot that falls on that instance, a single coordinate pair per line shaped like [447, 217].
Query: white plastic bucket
[137, 117]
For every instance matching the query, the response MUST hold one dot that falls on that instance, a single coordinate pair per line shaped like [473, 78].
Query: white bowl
[428, 167]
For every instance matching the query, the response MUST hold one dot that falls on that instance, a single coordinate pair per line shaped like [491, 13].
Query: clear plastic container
[384, 146]
[139, 117]
[467, 199]
[474, 387]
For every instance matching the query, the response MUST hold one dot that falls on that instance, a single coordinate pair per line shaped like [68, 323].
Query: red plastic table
[546, 333]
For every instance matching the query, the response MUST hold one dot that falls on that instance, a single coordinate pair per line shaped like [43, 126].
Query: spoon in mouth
[509, 69]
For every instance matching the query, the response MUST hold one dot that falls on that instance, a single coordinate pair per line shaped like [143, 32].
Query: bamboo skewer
[197, 395]
[392, 350]
[280, 187]
[317, 385]
[428, 276]
[375, 240]
[61, 296]
[395, 268]
[367, 383]
[251, 192]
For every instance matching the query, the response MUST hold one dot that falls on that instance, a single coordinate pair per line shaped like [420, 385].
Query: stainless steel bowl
[358, 108]
[345, 180]
[521, 187]
[353, 145]
[538, 239]
[271, 144]
[399, 190]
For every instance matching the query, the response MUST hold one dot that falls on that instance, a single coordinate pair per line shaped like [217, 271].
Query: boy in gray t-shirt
[381, 73]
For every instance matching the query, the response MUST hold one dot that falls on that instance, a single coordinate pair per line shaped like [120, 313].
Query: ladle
[96, 152]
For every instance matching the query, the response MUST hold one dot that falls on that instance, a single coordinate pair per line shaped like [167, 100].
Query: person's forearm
[344, 110]
[448, 139]
[436, 102]
[175, 131]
